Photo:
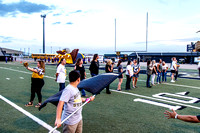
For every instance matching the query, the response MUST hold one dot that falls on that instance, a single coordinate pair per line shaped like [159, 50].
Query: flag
[93, 85]
[97, 83]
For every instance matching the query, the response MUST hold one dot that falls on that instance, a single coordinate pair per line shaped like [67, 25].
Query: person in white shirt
[61, 74]
[154, 72]
[164, 71]
[129, 74]
[173, 68]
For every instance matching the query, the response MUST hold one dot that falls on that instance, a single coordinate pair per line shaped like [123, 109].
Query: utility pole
[43, 16]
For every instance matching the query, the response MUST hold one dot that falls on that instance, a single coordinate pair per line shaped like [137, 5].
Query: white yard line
[187, 86]
[152, 98]
[42, 123]
[27, 72]
[182, 85]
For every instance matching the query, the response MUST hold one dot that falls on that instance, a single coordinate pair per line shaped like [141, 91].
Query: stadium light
[43, 16]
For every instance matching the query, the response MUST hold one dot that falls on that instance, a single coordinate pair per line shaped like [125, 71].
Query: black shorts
[173, 71]
[120, 77]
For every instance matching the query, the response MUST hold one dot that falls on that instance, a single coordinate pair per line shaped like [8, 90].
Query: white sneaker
[172, 81]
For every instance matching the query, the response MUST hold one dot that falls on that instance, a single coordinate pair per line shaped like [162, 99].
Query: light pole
[43, 16]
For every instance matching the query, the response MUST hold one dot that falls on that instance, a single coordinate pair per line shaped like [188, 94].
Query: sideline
[157, 99]
[42, 123]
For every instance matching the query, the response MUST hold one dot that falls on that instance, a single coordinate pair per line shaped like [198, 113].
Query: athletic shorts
[173, 71]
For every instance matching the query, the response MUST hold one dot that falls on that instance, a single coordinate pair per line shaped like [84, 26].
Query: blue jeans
[159, 77]
[164, 76]
[62, 86]
[148, 80]
[83, 91]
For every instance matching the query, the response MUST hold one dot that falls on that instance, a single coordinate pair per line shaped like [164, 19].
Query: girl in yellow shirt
[37, 83]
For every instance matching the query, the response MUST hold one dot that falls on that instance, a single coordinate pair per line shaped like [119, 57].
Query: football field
[139, 110]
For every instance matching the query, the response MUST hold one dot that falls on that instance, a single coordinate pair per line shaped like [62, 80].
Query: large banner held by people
[93, 85]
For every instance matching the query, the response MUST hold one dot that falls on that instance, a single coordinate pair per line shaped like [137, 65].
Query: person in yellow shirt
[37, 82]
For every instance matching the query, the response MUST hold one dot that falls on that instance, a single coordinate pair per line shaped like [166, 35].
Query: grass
[115, 113]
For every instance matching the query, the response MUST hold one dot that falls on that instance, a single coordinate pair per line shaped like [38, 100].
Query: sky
[89, 25]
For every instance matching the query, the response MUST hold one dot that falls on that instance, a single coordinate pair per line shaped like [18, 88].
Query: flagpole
[115, 36]
[147, 32]
[51, 131]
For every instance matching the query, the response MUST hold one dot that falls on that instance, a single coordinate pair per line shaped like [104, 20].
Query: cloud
[22, 6]
[164, 2]
[69, 23]
[57, 14]
[193, 39]
[57, 23]
[4, 39]
[77, 11]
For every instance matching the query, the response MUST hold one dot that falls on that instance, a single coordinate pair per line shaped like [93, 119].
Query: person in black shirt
[120, 70]
[80, 68]
[94, 66]
[109, 69]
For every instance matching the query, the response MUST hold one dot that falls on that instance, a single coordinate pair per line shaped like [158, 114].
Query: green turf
[115, 113]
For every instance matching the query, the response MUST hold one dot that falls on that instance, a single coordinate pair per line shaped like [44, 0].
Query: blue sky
[89, 25]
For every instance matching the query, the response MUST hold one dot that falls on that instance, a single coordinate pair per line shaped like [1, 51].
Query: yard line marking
[156, 99]
[21, 77]
[182, 85]
[187, 86]
[42, 123]
[8, 78]
[27, 72]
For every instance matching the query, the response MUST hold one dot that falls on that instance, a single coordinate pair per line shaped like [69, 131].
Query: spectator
[186, 118]
[48, 60]
[109, 68]
[61, 74]
[94, 66]
[6, 58]
[154, 72]
[71, 100]
[136, 70]
[37, 83]
[120, 70]
[129, 74]
[176, 72]
[80, 68]
[149, 73]
[164, 71]
[173, 68]
[159, 71]
[199, 68]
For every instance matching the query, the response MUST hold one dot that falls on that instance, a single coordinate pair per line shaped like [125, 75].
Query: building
[182, 57]
[5, 52]
[10, 52]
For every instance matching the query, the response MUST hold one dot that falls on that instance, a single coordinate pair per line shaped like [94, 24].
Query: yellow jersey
[39, 74]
